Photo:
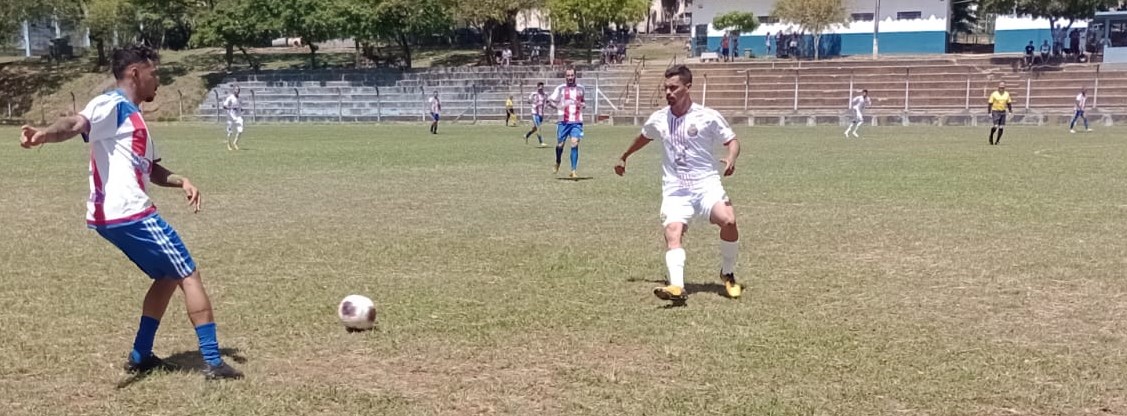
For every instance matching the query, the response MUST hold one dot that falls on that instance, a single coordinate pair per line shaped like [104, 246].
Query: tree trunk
[514, 37]
[817, 39]
[313, 55]
[405, 43]
[101, 45]
[487, 30]
[229, 55]
[254, 65]
[590, 46]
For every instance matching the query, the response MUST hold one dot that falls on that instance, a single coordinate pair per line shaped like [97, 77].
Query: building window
[908, 15]
[861, 17]
[766, 20]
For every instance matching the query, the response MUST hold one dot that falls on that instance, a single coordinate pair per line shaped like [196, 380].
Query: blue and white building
[905, 27]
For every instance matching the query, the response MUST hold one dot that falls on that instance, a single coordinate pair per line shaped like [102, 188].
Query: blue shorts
[537, 119]
[434, 116]
[565, 130]
[153, 246]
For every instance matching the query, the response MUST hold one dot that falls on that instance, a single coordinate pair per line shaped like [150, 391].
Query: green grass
[916, 271]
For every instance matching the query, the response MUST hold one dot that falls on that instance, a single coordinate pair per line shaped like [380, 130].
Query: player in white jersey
[122, 161]
[536, 100]
[570, 99]
[691, 186]
[234, 118]
[1081, 105]
[435, 109]
[858, 103]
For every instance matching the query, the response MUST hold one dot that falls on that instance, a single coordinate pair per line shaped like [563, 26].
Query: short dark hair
[129, 55]
[539, 84]
[681, 71]
[865, 91]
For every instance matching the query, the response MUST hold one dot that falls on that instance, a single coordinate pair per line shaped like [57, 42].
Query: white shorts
[235, 123]
[679, 204]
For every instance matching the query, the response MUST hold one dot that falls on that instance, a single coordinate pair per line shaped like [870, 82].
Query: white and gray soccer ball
[357, 313]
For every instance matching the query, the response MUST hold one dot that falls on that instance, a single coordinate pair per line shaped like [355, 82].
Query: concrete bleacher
[925, 89]
[919, 89]
[467, 94]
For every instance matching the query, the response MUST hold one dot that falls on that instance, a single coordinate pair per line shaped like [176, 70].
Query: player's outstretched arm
[61, 130]
[730, 160]
[161, 176]
[639, 142]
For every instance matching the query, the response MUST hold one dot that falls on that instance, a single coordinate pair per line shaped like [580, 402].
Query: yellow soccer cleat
[573, 175]
[556, 169]
[733, 289]
[671, 293]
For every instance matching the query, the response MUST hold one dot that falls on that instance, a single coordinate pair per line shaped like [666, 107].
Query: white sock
[729, 252]
[236, 142]
[856, 128]
[675, 261]
[847, 129]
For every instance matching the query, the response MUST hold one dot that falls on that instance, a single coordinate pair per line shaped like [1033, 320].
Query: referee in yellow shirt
[1000, 103]
[510, 113]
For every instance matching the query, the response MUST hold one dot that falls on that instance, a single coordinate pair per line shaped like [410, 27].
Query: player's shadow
[691, 288]
[184, 362]
[581, 178]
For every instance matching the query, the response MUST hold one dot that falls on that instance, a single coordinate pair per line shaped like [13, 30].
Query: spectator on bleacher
[689, 48]
[621, 53]
[792, 46]
[767, 44]
[536, 53]
[780, 44]
[724, 47]
[1029, 54]
[735, 47]
[506, 56]
[1074, 42]
[1045, 51]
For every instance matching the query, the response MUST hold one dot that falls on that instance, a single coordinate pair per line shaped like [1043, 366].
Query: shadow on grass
[184, 362]
[581, 178]
[691, 288]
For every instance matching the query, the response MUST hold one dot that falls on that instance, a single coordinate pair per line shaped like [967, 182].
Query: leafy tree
[814, 16]
[234, 24]
[313, 21]
[104, 18]
[964, 15]
[590, 17]
[488, 15]
[1053, 10]
[743, 22]
[401, 22]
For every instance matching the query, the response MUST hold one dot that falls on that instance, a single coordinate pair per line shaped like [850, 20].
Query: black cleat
[221, 372]
[149, 364]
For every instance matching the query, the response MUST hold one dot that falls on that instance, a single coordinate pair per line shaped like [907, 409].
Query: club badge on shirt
[692, 130]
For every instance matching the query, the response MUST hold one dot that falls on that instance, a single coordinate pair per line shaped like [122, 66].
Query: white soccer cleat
[856, 135]
[1072, 131]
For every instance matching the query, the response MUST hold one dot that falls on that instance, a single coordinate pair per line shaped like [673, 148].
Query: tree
[590, 17]
[313, 21]
[814, 16]
[1053, 10]
[104, 18]
[232, 24]
[742, 22]
[399, 21]
[964, 16]
[165, 23]
[488, 15]
[668, 10]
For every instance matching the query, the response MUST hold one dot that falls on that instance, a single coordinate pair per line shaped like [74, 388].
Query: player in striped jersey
[691, 186]
[537, 99]
[569, 99]
[122, 160]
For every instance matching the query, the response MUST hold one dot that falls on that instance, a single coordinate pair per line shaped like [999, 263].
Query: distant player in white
[855, 106]
[1081, 105]
[435, 109]
[234, 118]
[691, 186]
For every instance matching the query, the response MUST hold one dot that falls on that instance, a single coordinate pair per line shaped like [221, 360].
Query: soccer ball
[357, 313]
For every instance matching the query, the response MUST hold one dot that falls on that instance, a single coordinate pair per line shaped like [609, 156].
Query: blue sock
[209, 347]
[574, 157]
[143, 344]
[559, 154]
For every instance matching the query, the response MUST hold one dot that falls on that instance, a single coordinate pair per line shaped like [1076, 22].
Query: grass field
[917, 271]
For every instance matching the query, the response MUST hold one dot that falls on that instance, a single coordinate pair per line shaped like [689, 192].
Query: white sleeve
[101, 115]
[555, 97]
[720, 129]
[650, 130]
